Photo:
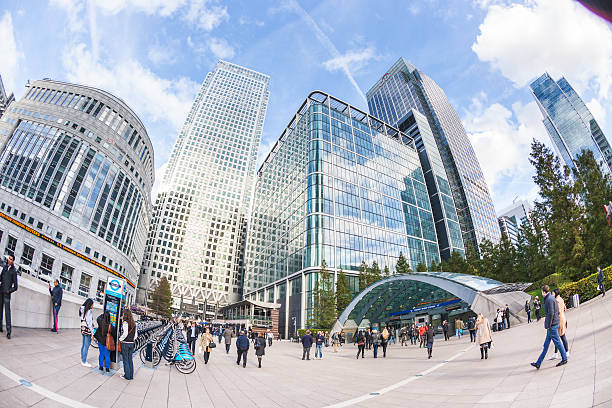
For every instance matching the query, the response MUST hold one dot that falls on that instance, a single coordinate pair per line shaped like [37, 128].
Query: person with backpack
[375, 342]
[103, 333]
[472, 329]
[87, 329]
[429, 336]
[260, 348]
[129, 334]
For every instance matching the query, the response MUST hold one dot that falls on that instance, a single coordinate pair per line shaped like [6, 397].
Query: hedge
[553, 280]
[586, 288]
[313, 332]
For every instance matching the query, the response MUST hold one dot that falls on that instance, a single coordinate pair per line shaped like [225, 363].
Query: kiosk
[113, 303]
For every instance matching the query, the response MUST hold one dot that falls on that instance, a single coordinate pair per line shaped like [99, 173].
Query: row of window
[96, 109]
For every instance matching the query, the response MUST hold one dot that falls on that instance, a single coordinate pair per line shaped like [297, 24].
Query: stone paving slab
[506, 379]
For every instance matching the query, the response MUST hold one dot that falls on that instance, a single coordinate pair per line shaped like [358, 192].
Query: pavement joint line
[398, 384]
[42, 391]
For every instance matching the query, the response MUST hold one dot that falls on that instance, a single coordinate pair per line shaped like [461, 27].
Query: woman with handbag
[87, 330]
[104, 335]
[483, 336]
[260, 347]
[129, 333]
[207, 343]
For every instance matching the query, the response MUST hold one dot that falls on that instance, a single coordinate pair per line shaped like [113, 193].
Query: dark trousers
[384, 347]
[375, 350]
[127, 349]
[207, 356]
[5, 299]
[445, 335]
[565, 346]
[227, 347]
[508, 321]
[602, 289]
[537, 312]
[269, 341]
[192, 345]
[56, 310]
[472, 336]
[242, 355]
[360, 349]
[529, 316]
[306, 353]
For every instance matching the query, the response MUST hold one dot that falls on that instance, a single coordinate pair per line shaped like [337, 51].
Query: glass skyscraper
[404, 88]
[339, 186]
[199, 219]
[569, 122]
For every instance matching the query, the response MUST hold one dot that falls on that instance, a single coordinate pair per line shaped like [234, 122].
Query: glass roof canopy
[414, 293]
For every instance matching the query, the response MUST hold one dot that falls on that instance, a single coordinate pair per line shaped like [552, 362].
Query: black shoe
[562, 362]
[244, 366]
[100, 368]
[237, 362]
[8, 336]
[536, 365]
[107, 370]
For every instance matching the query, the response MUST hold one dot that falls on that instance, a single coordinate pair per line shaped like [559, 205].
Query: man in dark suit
[507, 315]
[56, 298]
[192, 336]
[8, 285]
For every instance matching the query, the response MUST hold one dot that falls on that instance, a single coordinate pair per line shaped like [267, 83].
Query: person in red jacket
[422, 330]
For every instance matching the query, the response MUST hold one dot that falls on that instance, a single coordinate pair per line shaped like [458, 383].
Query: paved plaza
[41, 369]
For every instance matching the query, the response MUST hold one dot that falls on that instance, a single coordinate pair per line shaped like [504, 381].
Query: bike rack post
[149, 355]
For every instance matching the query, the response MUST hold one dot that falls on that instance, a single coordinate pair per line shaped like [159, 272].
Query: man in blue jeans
[551, 324]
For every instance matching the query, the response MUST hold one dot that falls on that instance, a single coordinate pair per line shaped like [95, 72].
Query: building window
[27, 255]
[100, 291]
[66, 277]
[10, 246]
[84, 285]
[46, 265]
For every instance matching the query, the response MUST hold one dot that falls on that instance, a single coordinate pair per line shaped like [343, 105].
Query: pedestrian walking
[227, 336]
[483, 335]
[537, 305]
[551, 324]
[320, 340]
[270, 338]
[472, 329]
[8, 285]
[368, 335]
[360, 340]
[260, 348]
[499, 318]
[192, 336]
[445, 330]
[205, 344]
[402, 336]
[413, 334]
[459, 328]
[429, 334]
[335, 339]
[101, 335]
[307, 341]
[528, 311]
[129, 334]
[600, 281]
[56, 299]
[87, 329]
[507, 316]
[384, 340]
[375, 342]
[562, 323]
[242, 348]
[422, 330]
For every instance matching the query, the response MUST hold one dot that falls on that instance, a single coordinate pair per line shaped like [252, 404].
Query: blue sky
[154, 54]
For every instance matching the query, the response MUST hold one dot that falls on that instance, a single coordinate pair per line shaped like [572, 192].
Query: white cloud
[244, 20]
[162, 100]
[205, 15]
[220, 48]
[159, 175]
[355, 59]
[72, 8]
[159, 54]
[161, 7]
[556, 36]
[502, 139]
[10, 55]
[598, 112]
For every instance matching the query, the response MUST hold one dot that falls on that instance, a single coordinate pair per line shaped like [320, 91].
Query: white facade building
[200, 215]
[76, 171]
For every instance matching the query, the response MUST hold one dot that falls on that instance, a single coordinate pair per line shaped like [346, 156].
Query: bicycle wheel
[185, 366]
[156, 356]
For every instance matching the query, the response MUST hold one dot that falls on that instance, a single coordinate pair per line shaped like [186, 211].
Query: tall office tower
[403, 88]
[5, 100]
[76, 171]
[519, 212]
[569, 123]
[509, 227]
[339, 186]
[199, 219]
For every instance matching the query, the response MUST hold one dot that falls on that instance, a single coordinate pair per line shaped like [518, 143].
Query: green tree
[161, 299]
[364, 272]
[456, 263]
[434, 267]
[375, 274]
[421, 267]
[343, 292]
[324, 300]
[402, 265]
[387, 273]
[472, 260]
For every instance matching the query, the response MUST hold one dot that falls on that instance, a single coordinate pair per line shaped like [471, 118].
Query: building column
[303, 301]
[287, 308]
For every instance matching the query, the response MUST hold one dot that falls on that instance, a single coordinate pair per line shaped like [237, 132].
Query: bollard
[149, 355]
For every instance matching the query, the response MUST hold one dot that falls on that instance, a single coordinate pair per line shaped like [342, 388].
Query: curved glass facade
[67, 174]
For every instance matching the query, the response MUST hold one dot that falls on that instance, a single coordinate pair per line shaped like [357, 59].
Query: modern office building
[5, 100]
[199, 220]
[569, 123]
[76, 170]
[404, 88]
[508, 227]
[338, 186]
[519, 212]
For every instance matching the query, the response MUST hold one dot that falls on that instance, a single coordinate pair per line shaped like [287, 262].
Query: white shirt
[125, 330]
